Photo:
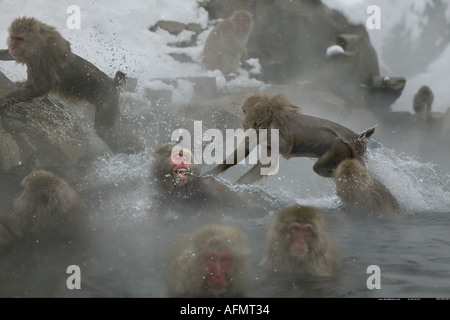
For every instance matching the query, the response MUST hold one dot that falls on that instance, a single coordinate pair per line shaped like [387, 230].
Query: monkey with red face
[52, 67]
[181, 188]
[213, 261]
[298, 244]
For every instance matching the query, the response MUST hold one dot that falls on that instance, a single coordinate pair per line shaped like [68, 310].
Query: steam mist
[129, 256]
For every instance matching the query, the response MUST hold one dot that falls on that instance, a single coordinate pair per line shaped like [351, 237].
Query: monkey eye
[226, 258]
[18, 38]
[210, 256]
[308, 229]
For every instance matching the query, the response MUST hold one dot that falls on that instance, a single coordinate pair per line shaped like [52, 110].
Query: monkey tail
[120, 79]
[365, 134]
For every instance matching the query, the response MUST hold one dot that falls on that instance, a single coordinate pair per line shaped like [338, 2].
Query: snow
[115, 35]
[411, 14]
[334, 50]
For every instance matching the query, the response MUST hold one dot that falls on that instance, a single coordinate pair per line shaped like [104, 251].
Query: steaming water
[128, 254]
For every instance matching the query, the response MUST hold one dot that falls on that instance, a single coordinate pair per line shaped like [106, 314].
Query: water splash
[121, 168]
[418, 186]
[125, 179]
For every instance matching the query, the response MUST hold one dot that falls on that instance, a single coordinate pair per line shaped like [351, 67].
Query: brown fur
[423, 100]
[226, 46]
[52, 67]
[185, 274]
[323, 257]
[164, 179]
[196, 193]
[48, 207]
[300, 135]
[9, 231]
[360, 191]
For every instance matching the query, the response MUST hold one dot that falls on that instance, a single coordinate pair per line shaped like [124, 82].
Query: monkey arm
[25, 93]
[235, 157]
[5, 55]
[253, 176]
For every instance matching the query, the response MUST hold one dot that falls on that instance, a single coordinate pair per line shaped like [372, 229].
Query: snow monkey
[48, 207]
[212, 262]
[299, 136]
[53, 67]
[298, 244]
[226, 46]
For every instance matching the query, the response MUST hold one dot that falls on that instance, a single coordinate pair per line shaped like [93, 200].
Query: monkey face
[242, 24]
[15, 44]
[301, 236]
[217, 265]
[181, 161]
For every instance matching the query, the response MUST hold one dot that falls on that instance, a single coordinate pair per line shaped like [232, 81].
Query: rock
[46, 133]
[172, 27]
[383, 92]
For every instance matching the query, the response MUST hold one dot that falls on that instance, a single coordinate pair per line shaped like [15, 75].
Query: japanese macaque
[297, 243]
[52, 67]
[213, 261]
[423, 100]
[9, 230]
[299, 136]
[226, 46]
[360, 191]
[179, 184]
[47, 208]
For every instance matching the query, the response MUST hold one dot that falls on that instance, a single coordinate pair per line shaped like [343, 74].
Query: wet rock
[46, 133]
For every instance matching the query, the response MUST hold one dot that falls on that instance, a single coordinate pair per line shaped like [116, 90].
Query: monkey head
[18, 42]
[242, 21]
[173, 167]
[297, 243]
[217, 265]
[352, 175]
[300, 227]
[426, 92]
[38, 188]
[224, 258]
[263, 110]
[181, 163]
[213, 261]
[253, 99]
[48, 206]
[30, 38]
